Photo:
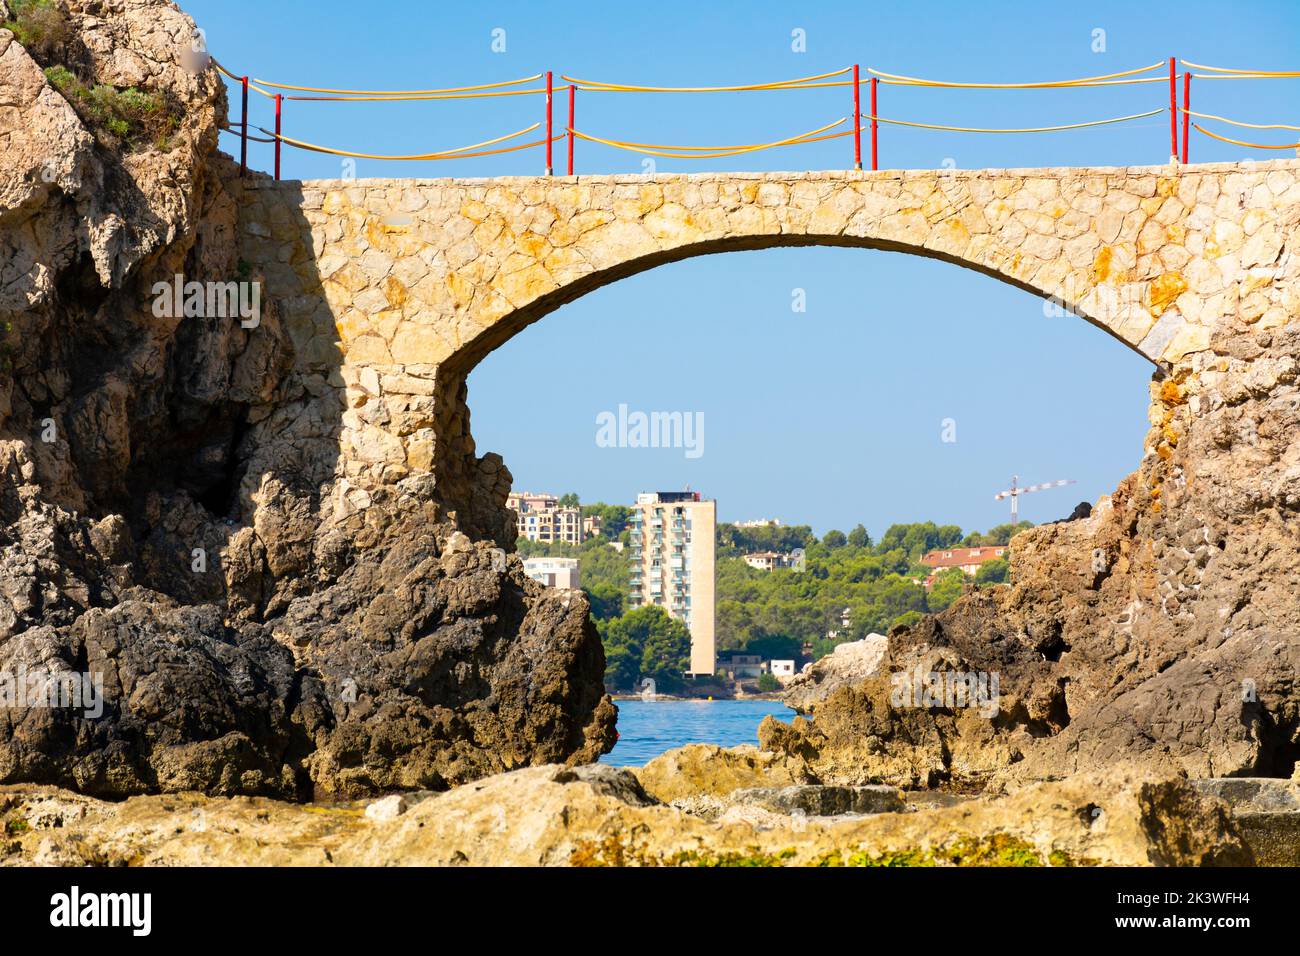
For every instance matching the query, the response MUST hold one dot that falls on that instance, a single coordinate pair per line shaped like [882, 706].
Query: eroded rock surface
[850, 663]
[601, 816]
[1267, 812]
[1164, 625]
[173, 521]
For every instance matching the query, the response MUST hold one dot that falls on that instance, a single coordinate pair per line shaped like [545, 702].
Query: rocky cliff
[158, 538]
[1164, 625]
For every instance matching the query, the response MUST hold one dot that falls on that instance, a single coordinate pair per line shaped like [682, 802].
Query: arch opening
[472, 353]
[834, 327]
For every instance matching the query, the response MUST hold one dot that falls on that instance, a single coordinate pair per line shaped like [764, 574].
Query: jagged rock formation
[1266, 811]
[850, 663]
[711, 771]
[1165, 624]
[254, 630]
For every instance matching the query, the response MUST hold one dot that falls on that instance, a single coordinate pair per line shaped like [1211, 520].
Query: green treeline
[772, 613]
[873, 584]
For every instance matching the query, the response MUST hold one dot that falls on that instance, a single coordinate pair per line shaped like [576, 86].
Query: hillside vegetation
[774, 613]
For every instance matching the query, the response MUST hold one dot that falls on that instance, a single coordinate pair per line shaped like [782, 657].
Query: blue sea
[648, 728]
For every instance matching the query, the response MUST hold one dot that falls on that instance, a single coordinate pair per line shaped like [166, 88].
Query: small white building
[782, 669]
[768, 560]
[553, 572]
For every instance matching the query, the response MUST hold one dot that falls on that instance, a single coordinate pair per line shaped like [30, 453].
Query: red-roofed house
[968, 559]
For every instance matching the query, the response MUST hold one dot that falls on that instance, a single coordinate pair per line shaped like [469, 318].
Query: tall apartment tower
[672, 552]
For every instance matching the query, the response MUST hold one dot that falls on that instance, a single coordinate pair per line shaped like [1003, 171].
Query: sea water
[647, 728]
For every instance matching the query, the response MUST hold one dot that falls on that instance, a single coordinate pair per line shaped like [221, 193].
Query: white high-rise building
[672, 551]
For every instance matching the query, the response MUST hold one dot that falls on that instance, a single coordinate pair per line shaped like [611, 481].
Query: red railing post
[550, 168]
[1187, 105]
[874, 155]
[1173, 110]
[571, 127]
[243, 131]
[857, 120]
[278, 98]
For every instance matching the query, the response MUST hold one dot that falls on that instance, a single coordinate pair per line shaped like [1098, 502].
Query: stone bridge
[393, 290]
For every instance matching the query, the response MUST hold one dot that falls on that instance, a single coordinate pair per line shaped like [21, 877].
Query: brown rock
[599, 816]
[708, 770]
[175, 520]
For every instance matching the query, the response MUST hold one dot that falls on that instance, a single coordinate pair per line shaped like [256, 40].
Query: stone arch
[465, 359]
[398, 288]
[1099, 242]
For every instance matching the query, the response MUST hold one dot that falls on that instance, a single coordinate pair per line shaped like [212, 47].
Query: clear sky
[833, 415]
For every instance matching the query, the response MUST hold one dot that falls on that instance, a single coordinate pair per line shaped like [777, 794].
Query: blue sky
[830, 416]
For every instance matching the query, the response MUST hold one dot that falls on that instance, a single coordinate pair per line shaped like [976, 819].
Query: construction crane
[1014, 493]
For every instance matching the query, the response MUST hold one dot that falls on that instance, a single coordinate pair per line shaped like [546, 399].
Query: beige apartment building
[542, 519]
[672, 551]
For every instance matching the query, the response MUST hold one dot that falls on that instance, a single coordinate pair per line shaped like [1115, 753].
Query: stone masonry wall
[392, 290]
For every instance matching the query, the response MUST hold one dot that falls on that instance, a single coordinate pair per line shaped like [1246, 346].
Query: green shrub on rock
[39, 25]
[129, 118]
